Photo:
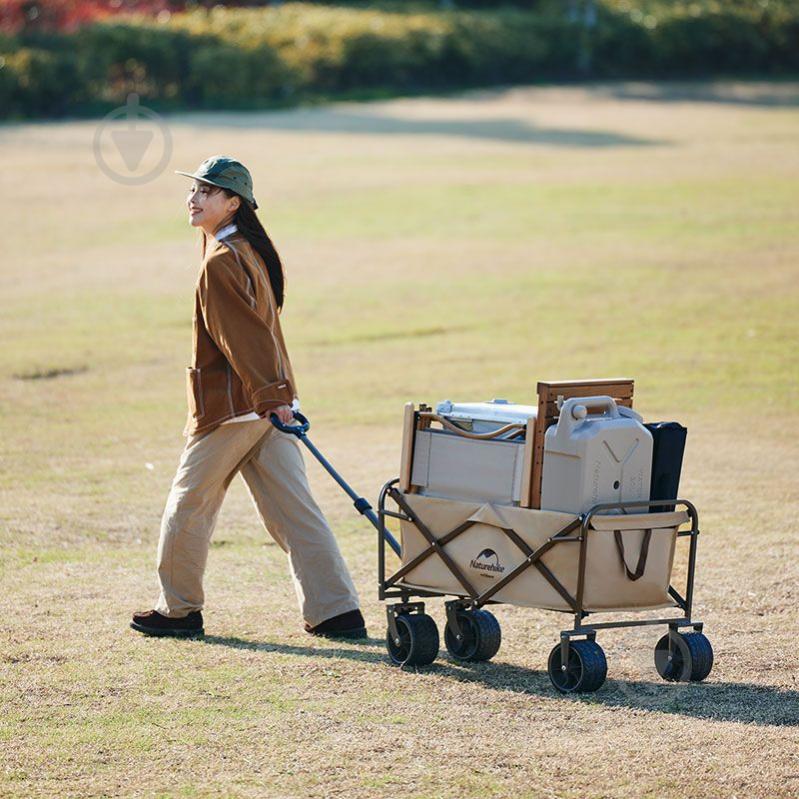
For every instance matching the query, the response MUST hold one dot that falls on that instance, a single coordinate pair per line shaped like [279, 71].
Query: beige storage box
[625, 567]
[471, 458]
[448, 465]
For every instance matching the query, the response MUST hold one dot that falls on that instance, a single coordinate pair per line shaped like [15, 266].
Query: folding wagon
[558, 565]
[616, 557]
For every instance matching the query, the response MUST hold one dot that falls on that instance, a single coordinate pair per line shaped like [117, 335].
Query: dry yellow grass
[461, 248]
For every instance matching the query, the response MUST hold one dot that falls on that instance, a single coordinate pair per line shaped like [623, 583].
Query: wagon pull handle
[639, 569]
[298, 430]
[361, 504]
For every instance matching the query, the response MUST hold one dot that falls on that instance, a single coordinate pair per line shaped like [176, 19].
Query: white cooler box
[485, 417]
[459, 466]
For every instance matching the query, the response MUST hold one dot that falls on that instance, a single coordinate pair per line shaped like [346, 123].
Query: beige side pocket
[194, 392]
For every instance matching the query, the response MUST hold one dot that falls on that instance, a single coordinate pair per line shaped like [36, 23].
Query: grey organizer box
[477, 455]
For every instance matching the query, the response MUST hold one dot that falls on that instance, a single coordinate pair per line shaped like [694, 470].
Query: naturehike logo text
[487, 562]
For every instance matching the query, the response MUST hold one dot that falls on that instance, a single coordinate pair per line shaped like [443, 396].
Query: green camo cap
[227, 173]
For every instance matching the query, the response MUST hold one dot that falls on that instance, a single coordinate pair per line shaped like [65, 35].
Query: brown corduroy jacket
[239, 358]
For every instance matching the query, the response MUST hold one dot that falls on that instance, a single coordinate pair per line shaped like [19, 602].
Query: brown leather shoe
[151, 622]
[345, 625]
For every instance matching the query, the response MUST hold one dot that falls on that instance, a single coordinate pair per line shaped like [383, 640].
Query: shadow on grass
[306, 651]
[333, 120]
[718, 701]
[742, 93]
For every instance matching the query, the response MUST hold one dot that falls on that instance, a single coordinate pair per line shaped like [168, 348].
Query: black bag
[668, 447]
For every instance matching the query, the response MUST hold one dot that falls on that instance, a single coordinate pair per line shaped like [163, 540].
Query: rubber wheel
[419, 640]
[691, 660]
[586, 670]
[481, 636]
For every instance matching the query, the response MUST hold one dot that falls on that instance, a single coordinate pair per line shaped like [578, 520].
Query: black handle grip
[295, 429]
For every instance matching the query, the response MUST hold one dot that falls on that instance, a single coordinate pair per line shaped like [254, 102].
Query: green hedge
[248, 58]
[685, 38]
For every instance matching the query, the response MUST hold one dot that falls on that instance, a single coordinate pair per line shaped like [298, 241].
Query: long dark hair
[251, 228]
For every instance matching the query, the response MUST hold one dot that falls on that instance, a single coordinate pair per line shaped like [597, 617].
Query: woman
[241, 374]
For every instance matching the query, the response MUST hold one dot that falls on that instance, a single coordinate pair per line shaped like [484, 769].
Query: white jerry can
[591, 458]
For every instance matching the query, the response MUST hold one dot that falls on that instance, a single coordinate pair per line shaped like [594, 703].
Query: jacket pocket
[194, 392]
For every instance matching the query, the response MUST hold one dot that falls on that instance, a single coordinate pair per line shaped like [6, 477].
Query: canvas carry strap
[499, 432]
[639, 569]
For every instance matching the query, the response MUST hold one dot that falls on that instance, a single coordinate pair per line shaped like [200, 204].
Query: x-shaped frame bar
[532, 557]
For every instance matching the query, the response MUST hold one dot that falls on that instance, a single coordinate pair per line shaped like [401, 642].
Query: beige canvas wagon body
[485, 553]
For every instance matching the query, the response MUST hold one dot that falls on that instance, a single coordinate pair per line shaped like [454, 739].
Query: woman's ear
[234, 203]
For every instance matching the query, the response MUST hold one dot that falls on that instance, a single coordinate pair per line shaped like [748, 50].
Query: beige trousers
[272, 466]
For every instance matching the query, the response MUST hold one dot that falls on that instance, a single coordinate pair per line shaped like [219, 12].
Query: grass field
[457, 248]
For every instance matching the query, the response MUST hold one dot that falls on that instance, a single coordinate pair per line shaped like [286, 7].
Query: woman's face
[209, 207]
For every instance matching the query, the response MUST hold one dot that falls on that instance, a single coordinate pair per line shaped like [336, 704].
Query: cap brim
[196, 177]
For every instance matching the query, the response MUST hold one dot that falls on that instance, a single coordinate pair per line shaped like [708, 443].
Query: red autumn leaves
[66, 15]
